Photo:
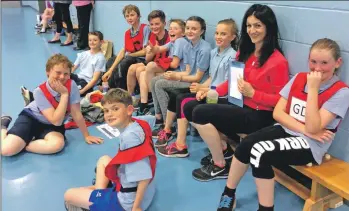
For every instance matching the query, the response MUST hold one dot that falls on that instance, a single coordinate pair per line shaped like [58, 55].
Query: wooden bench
[330, 183]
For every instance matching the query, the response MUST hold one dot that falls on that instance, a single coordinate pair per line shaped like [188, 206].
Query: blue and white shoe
[227, 203]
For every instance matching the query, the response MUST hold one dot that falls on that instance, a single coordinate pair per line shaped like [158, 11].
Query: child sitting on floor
[132, 169]
[91, 63]
[39, 127]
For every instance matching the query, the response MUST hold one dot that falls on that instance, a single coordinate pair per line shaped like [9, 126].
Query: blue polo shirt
[198, 57]
[41, 103]
[130, 174]
[176, 49]
[220, 65]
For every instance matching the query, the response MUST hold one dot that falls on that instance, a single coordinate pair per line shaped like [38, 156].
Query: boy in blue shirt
[132, 169]
[39, 127]
[91, 64]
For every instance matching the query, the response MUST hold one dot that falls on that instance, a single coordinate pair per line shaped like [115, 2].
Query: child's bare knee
[132, 68]
[103, 161]
[7, 151]
[150, 66]
[140, 69]
[57, 144]
[67, 195]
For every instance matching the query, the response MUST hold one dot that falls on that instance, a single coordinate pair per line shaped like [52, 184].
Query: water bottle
[105, 86]
[212, 96]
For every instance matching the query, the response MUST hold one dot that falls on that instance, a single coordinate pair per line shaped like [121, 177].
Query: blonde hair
[58, 59]
[234, 30]
[180, 22]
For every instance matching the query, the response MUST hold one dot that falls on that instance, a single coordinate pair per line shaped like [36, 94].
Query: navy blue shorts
[28, 128]
[105, 200]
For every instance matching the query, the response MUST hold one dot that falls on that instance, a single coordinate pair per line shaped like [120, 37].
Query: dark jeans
[81, 83]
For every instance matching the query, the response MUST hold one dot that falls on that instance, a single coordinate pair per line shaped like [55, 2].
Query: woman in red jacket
[265, 73]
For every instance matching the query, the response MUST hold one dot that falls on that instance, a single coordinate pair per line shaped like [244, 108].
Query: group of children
[176, 69]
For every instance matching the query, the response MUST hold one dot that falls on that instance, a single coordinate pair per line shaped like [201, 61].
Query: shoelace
[208, 168]
[162, 136]
[169, 147]
[225, 202]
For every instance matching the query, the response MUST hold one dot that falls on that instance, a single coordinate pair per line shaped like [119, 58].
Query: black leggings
[191, 105]
[272, 146]
[176, 97]
[230, 119]
[83, 13]
[62, 13]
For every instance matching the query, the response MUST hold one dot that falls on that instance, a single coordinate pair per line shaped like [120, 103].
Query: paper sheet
[108, 131]
[235, 74]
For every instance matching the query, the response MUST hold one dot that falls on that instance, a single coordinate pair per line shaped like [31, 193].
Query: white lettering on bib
[297, 109]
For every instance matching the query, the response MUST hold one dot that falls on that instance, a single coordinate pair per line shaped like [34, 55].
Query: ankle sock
[229, 192]
[219, 165]
[263, 208]
[142, 106]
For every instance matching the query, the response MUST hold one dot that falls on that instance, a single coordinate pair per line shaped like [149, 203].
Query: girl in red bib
[308, 114]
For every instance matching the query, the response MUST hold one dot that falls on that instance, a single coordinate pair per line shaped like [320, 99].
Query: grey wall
[33, 4]
[300, 22]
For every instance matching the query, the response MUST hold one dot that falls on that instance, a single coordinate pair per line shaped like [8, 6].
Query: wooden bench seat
[330, 183]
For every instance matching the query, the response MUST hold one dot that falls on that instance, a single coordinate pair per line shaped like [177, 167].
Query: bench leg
[321, 199]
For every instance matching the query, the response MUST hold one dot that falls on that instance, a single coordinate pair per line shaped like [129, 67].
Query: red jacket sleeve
[279, 76]
[222, 89]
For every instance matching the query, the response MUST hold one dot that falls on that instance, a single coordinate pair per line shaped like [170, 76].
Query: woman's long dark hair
[270, 42]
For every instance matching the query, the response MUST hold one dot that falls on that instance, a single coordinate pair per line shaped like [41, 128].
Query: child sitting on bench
[309, 112]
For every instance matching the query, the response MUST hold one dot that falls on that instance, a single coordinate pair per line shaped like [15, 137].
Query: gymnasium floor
[37, 182]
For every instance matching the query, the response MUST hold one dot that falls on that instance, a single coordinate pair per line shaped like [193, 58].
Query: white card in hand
[109, 131]
[235, 74]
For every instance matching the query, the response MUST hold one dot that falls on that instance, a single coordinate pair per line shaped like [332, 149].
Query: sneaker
[135, 101]
[210, 172]
[227, 203]
[228, 155]
[5, 121]
[171, 151]
[146, 111]
[155, 132]
[159, 121]
[37, 26]
[27, 95]
[163, 139]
